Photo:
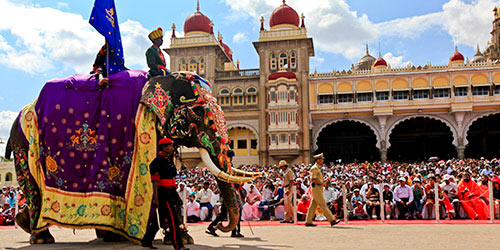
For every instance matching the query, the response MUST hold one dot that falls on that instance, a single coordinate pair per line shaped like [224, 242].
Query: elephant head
[188, 113]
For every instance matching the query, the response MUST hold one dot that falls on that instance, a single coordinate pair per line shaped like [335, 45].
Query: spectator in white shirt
[403, 196]
[205, 198]
[451, 190]
[193, 210]
[329, 192]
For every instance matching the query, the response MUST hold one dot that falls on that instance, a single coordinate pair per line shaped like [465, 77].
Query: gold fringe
[100, 227]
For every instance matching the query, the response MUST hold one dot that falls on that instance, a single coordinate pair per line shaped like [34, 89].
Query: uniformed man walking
[317, 194]
[288, 181]
[165, 197]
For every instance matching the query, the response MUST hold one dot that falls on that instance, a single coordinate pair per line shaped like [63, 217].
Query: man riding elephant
[82, 150]
[154, 55]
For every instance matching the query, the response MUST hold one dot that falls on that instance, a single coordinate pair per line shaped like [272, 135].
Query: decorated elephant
[82, 151]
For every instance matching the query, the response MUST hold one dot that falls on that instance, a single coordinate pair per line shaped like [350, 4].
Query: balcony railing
[238, 73]
[409, 68]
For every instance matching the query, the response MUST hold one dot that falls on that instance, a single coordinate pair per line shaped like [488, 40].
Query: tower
[199, 50]
[284, 52]
[492, 51]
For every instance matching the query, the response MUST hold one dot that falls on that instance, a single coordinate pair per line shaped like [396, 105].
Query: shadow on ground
[99, 244]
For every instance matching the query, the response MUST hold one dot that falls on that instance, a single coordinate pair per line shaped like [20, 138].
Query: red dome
[227, 50]
[457, 57]
[197, 22]
[284, 15]
[380, 62]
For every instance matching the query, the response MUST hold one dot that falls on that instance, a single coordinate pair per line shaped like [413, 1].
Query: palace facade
[281, 110]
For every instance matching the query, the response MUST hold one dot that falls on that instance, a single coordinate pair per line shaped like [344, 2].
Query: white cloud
[62, 5]
[334, 27]
[410, 27]
[6, 119]
[240, 37]
[60, 39]
[337, 29]
[469, 24]
[395, 61]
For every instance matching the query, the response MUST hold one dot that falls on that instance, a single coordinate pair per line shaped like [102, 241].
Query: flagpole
[107, 58]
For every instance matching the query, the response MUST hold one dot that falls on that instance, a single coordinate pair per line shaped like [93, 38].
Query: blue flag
[105, 21]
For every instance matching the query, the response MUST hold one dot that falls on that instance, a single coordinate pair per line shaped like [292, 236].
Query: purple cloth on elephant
[87, 131]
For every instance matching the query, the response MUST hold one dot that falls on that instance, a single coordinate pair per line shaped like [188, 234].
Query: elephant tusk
[223, 176]
[205, 157]
[242, 173]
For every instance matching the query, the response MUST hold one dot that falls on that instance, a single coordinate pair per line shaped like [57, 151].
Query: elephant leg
[43, 237]
[23, 220]
[186, 238]
[28, 218]
[109, 236]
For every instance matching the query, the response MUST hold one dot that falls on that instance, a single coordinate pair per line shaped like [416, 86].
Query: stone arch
[344, 87]
[440, 81]
[8, 177]
[496, 78]
[382, 85]
[224, 91]
[363, 86]
[325, 89]
[479, 79]
[420, 82]
[460, 80]
[434, 117]
[400, 84]
[250, 90]
[477, 117]
[326, 123]
[242, 125]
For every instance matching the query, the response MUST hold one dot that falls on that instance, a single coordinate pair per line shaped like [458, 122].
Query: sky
[47, 39]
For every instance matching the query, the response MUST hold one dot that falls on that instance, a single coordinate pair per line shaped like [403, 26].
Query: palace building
[281, 110]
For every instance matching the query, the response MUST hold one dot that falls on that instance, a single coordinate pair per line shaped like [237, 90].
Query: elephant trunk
[229, 198]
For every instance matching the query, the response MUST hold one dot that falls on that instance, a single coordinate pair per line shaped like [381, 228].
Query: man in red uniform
[469, 195]
[165, 198]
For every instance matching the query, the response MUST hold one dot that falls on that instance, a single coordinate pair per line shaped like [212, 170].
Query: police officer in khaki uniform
[317, 194]
[288, 181]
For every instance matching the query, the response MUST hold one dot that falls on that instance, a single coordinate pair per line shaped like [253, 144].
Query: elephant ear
[157, 96]
[183, 89]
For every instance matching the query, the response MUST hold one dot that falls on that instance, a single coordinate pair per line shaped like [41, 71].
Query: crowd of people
[9, 195]
[408, 190]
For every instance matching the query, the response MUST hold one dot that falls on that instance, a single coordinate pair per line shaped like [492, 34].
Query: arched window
[201, 66]
[293, 60]
[283, 61]
[224, 98]
[8, 177]
[273, 61]
[238, 96]
[193, 65]
[183, 65]
[251, 96]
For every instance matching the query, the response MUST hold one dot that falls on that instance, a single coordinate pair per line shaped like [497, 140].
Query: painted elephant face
[189, 114]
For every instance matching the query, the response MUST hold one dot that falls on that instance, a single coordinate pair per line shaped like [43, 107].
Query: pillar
[461, 152]
[383, 155]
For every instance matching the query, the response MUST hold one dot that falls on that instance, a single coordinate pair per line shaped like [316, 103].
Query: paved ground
[294, 237]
